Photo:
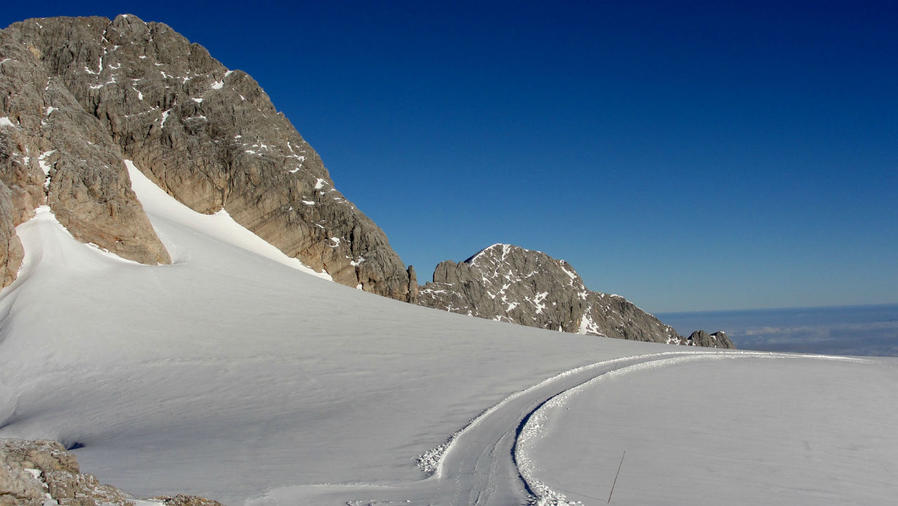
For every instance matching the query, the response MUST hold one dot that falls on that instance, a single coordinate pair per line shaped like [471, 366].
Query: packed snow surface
[774, 429]
[234, 375]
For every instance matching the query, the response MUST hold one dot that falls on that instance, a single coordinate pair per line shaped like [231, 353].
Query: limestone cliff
[79, 95]
[54, 151]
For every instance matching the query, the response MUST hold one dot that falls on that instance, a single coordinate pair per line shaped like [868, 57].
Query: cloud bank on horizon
[860, 330]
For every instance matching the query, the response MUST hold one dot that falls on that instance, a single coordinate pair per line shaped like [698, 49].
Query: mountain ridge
[83, 95]
[508, 283]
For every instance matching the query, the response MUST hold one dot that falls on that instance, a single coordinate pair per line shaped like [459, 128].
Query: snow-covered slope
[229, 375]
[768, 429]
[218, 226]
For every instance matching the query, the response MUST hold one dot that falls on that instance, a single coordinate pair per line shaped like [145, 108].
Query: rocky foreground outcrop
[39, 473]
[513, 284]
[80, 95]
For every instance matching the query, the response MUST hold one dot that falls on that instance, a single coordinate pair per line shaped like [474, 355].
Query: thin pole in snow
[616, 475]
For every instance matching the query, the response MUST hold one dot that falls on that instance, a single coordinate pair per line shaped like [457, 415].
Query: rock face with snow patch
[53, 151]
[513, 284]
[79, 95]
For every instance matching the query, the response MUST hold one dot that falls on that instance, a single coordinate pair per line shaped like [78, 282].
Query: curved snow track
[477, 464]
[480, 463]
[485, 462]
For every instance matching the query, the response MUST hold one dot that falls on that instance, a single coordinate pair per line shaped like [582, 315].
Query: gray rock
[208, 136]
[717, 339]
[53, 151]
[11, 252]
[34, 473]
[412, 285]
[513, 284]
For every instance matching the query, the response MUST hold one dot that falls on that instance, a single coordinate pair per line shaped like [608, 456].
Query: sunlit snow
[230, 375]
[768, 429]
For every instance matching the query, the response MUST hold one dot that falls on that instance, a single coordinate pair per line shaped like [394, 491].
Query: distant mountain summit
[80, 95]
[509, 283]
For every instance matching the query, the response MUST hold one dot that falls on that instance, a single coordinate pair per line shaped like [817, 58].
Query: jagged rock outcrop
[53, 151]
[207, 135]
[717, 339]
[513, 284]
[412, 285]
[37, 473]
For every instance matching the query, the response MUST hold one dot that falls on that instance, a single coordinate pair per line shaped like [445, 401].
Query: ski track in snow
[486, 462]
[531, 427]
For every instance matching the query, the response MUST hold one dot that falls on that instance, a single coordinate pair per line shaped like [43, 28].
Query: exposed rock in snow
[513, 284]
[43, 473]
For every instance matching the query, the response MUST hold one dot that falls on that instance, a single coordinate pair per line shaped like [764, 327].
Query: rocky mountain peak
[717, 339]
[509, 283]
[80, 95]
[510, 259]
[506, 283]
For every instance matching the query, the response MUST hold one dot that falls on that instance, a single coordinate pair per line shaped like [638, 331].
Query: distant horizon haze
[692, 156]
[788, 308]
[846, 330]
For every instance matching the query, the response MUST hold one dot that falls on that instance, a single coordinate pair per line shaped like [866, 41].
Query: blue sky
[686, 155]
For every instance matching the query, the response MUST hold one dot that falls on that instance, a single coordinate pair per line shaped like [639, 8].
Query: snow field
[738, 429]
[229, 375]
[235, 374]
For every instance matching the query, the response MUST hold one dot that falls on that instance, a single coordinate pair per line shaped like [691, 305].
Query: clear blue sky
[690, 156]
